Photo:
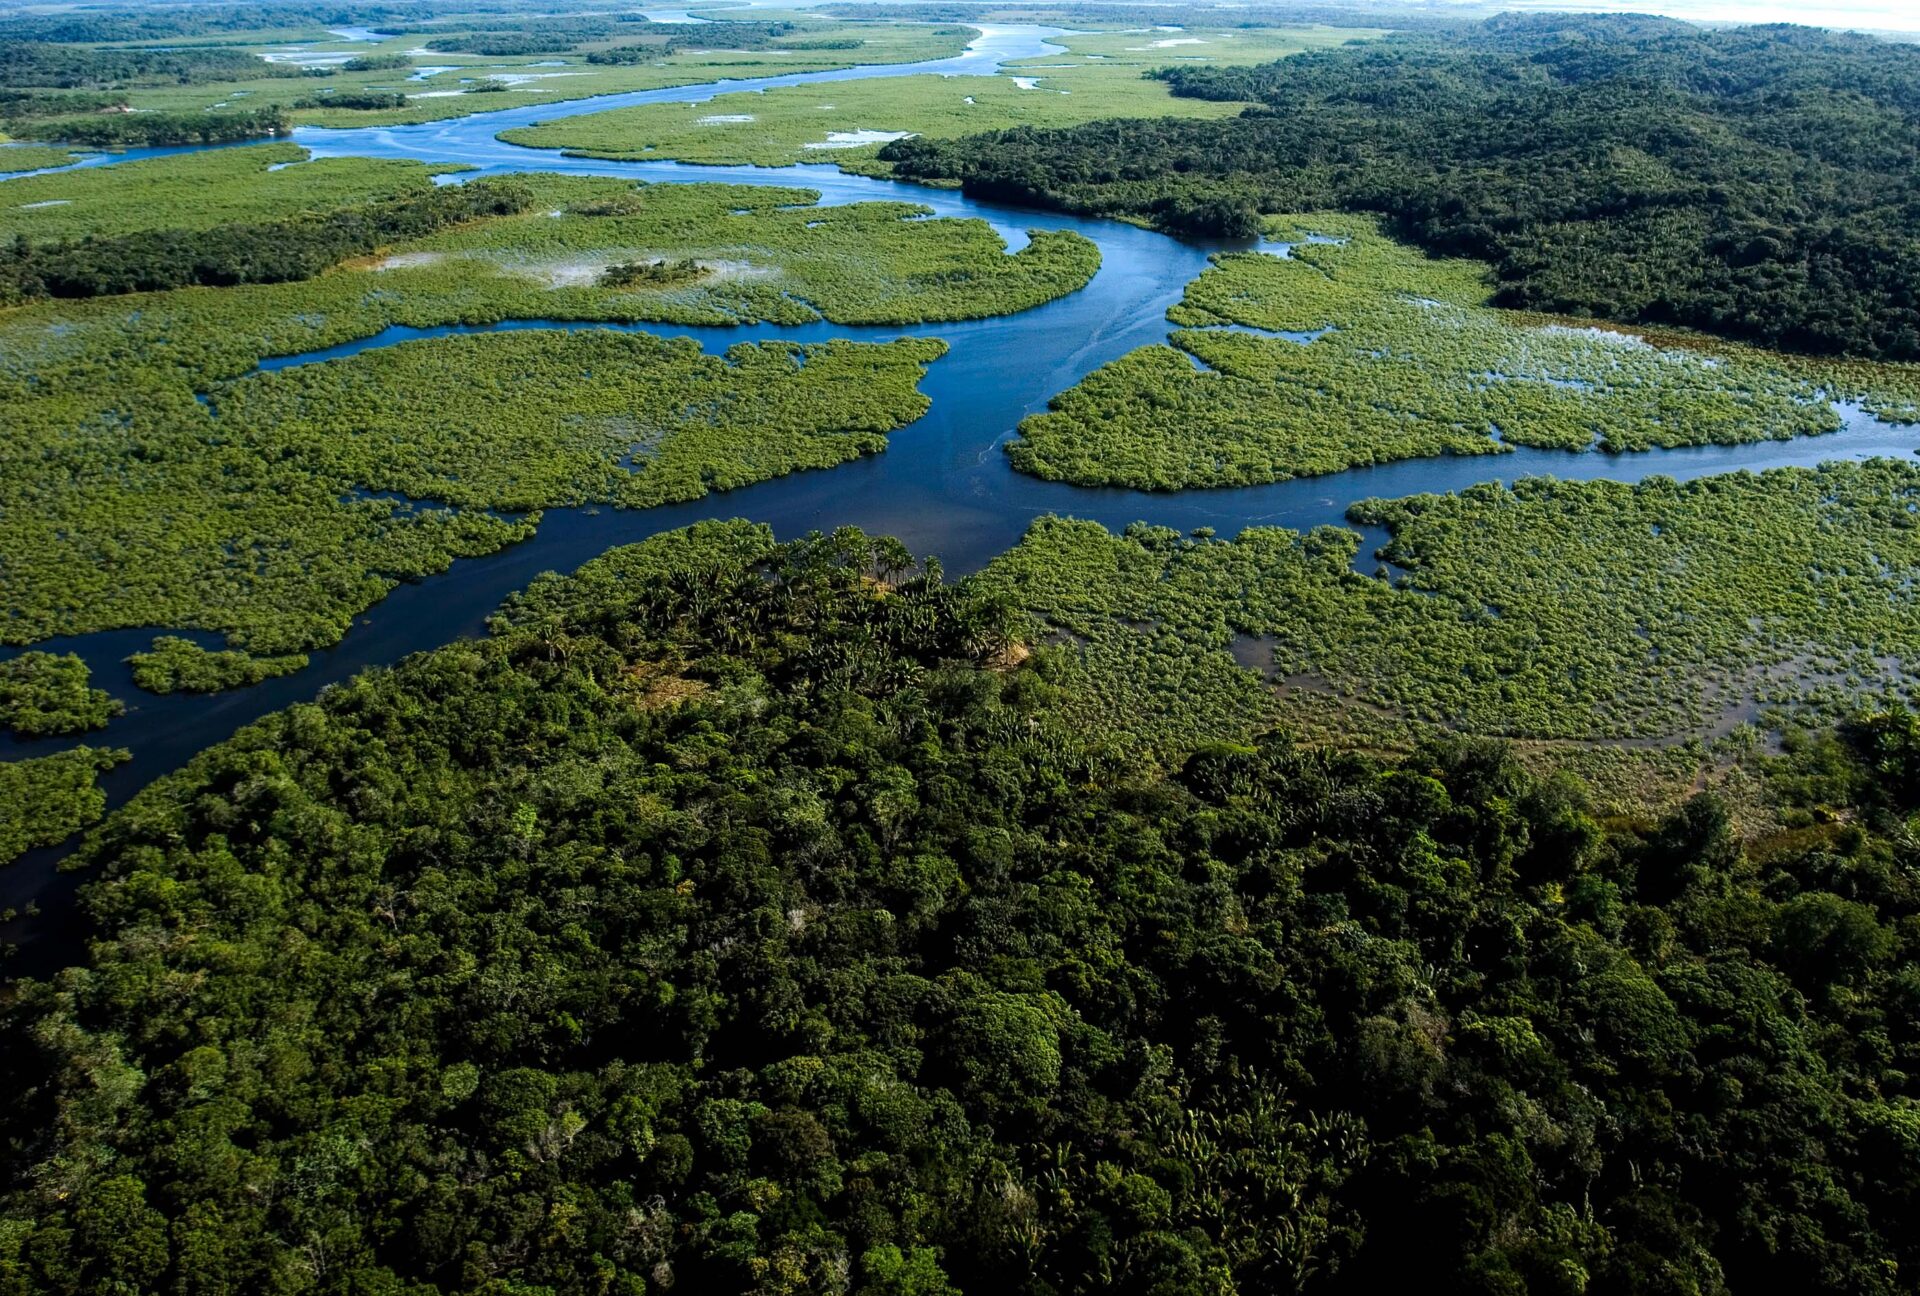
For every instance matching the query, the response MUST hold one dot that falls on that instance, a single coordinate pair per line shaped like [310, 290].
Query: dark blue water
[943, 486]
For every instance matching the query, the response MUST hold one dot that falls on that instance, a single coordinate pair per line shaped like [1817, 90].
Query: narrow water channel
[943, 486]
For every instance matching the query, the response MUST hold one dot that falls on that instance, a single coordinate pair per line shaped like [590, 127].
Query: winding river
[943, 486]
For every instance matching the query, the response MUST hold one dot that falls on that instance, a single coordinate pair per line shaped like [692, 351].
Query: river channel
[943, 486]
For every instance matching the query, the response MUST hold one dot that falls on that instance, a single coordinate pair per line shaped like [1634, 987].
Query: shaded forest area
[739, 917]
[1753, 182]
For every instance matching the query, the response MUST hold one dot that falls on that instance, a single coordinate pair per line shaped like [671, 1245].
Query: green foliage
[788, 125]
[652, 274]
[150, 129]
[176, 665]
[256, 185]
[1552, 610]
[1751, 182]
[258, 513]
[355, 100]
[33, 63]
[294, 248]
[42, 694]
[49, 798]
[728, 920]
[29, 157]
[1389, 355]
[377, 63]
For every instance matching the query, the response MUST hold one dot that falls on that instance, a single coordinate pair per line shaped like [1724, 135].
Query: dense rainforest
[750, 917]
[1754, 182]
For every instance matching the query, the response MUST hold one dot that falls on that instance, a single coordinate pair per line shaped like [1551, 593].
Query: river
[943, 486]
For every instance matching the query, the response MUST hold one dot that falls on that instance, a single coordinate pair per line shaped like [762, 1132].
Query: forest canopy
[1754, 182]
[738, 918]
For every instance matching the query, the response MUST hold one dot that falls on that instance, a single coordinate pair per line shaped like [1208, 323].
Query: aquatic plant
[49, 798]
[261, 509]
[177, 665]
[42, 694]
[1354, 349]
[1548, 610]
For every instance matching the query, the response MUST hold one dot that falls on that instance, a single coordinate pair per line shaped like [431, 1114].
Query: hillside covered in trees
[746, 917]
[1755, 182]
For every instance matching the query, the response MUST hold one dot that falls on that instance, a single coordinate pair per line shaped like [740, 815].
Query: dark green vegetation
[1753, 182]
[176, 665]
[65, 67]
[296, 247]
[731, 921]
[1589, 611]
[49, 798]
[286, 501]
[721, 34]
[1385, 354]
[137, 130]
[42, 694]
[652, 274]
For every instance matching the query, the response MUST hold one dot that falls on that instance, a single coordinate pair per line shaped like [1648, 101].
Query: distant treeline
[175, 21]
[148, 129]
[377, 63]
[270, 252]
[532, 36]
[1150, 15]
[64, 67]
[1755, 182]
[712, 35]
[366, 100]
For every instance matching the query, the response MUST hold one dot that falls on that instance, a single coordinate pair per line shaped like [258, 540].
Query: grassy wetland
[1645, 615]
[1099, 75]
[198, 191]
[1510, 892]
[155, 478]
[1352, 349]
[256, 80]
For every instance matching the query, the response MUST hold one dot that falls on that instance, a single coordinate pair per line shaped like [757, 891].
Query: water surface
[943, 486]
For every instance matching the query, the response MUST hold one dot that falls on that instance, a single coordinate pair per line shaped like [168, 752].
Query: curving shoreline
[943, 487]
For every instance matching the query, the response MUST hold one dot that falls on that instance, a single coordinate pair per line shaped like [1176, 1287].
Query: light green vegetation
[128, 503]
[1412, 362]
[199, 191]
[880, 42]
[177, 665]
[769, 255]
[1556, 611]
[645, 421]
[777, 127]
[49, 798]
[1202, 46]
[258, 522]
[30, 157]
[42, 694]
[535, 79]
